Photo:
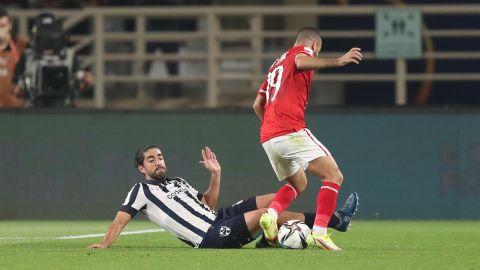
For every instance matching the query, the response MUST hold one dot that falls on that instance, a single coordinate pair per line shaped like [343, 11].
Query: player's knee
[264, 200]
[298, 183]
[300, 186]
[337, 178]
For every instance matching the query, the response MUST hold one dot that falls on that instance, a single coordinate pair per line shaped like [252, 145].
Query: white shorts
[293, 151]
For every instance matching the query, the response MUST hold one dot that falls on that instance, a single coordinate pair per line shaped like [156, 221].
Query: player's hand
[210, 161]
[98, 246]
[352, 56]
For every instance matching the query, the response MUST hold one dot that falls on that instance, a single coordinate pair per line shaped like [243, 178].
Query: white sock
[319, 230]
[272, 213]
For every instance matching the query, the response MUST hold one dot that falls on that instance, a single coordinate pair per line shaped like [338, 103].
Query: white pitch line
[82, 236]
[102, 234]
[23, 238]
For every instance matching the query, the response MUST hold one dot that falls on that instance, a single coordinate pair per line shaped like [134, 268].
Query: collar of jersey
[157, 182]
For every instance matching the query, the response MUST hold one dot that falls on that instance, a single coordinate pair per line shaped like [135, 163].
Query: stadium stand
[211, 56]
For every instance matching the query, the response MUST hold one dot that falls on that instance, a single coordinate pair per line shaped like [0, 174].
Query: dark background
[405, 164]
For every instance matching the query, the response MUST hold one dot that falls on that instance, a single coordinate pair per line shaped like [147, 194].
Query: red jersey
[286, 89]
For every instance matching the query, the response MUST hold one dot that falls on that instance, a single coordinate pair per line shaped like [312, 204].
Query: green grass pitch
[368, 245]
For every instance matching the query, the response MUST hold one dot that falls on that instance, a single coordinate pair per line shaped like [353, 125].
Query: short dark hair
[308, 33]
[4, 13]
[140, 156]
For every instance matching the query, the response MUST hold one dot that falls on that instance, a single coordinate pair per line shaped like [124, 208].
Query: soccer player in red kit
[290, 146]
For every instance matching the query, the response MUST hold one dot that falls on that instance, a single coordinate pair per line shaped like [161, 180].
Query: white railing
[215, 35]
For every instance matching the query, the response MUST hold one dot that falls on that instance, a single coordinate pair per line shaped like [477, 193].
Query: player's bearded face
[157, 171]
[157, 175]
[154, 165]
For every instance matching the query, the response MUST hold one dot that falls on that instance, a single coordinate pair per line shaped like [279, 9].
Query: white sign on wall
[398, 33]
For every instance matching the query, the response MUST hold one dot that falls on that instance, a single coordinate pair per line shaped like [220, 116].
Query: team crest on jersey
[224, 231]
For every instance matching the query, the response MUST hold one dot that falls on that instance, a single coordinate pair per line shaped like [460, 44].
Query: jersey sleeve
[262, 91]
[135, 201]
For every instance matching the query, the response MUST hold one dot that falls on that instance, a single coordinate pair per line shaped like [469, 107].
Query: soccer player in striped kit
[289, 145]
[189, 215]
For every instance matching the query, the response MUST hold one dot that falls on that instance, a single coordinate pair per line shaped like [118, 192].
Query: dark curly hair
[140, 156]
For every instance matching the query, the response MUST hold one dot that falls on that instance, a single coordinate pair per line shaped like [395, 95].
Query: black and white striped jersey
[173, 205]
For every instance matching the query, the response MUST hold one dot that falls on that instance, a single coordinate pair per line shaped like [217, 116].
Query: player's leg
[233, 231]
[282, 218]
[252, 219]
[327, 170]
[241, 222]
[282, 199]
[288, 192]
[315, 157]
[249, 204]
[290, 156]
[286, 169]
[340, 220]
[264, 200]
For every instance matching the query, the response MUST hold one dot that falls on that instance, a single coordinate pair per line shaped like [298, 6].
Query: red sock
[326, 202]
[285, 195]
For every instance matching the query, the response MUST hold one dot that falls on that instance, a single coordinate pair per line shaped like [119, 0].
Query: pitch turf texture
[369, 245]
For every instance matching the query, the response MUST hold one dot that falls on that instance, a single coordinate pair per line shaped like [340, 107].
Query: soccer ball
[293, 234]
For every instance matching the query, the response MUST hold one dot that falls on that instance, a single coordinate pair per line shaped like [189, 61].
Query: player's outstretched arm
[259, 106]
[352, 56]
[304, 62]
[211, 164]
[114, 230]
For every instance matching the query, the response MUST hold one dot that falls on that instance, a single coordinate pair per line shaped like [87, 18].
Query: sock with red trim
[326, 202]
[284, 196]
